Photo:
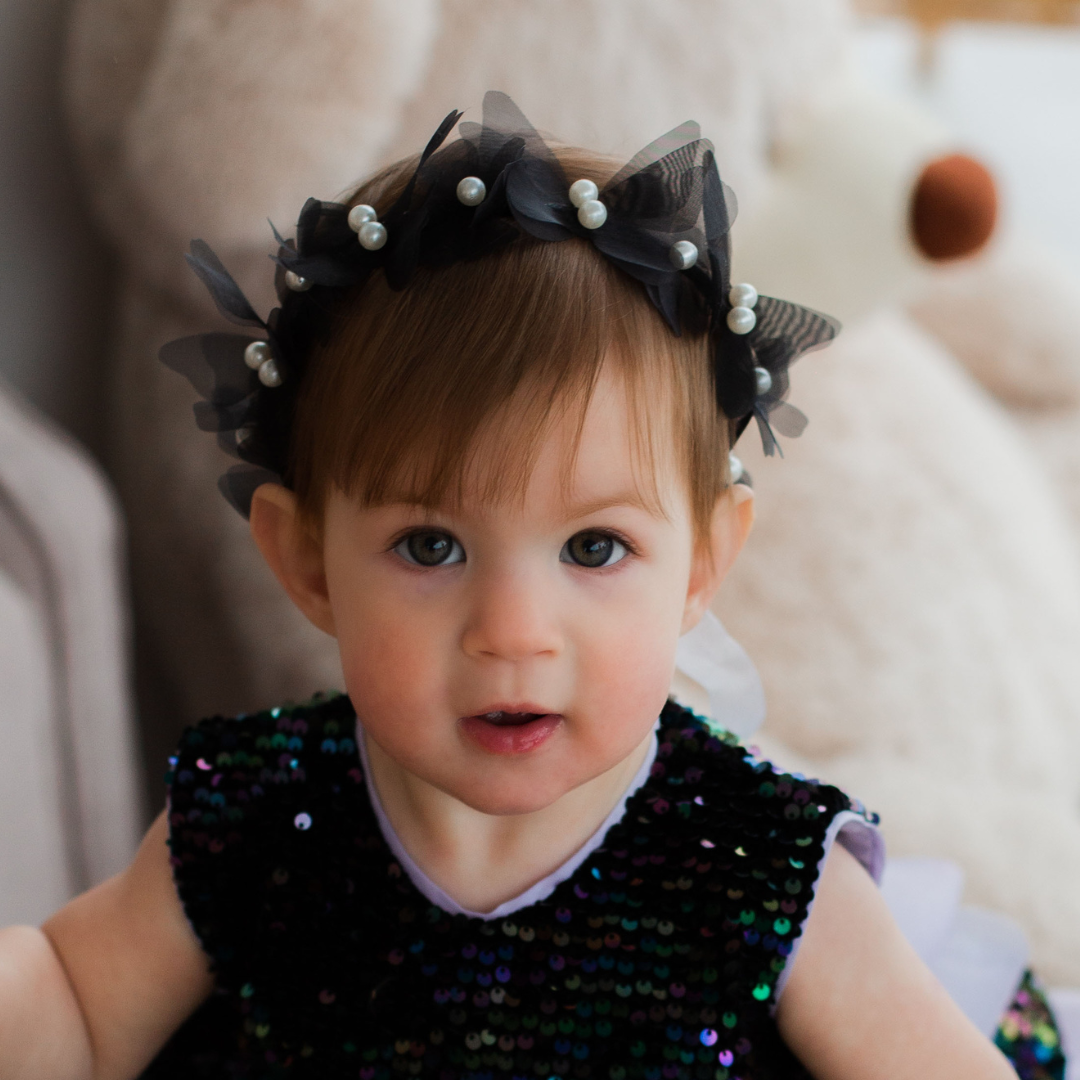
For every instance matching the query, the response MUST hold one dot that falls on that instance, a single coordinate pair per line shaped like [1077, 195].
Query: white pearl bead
[471, 191]
[360, 215]
[764, 380]
[583, 191]
[736, 468]
[743, 296]
[296, 282]
[256, 354]
[683, 254]
[592, 214]
[741, 320]
[372, 235]
[243, 434]
[269, 374]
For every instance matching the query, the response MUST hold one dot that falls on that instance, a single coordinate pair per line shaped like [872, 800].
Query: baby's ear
[292, 552]
[732, 520]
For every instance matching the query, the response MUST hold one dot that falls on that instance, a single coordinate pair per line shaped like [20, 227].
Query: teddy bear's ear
[953, 208]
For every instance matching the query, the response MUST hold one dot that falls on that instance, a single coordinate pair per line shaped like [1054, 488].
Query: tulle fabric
[668, 192]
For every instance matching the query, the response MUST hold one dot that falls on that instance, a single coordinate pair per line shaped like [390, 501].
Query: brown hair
[391, 405]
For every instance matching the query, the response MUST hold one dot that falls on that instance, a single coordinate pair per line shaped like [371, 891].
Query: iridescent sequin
[657, 960]
[1028, 1035]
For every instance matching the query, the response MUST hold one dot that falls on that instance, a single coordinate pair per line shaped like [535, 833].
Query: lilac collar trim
[535, 893]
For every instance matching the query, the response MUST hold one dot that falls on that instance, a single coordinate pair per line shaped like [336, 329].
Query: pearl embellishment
[296, 282]
[269, 374]
[364, 222]
[683, 254]
[256, 354]
[741, 320]
[583, 191]
[471, 191]
[764, 380]
[736, 468]
[743, 296]
[592, 214]
[372, 235]
[360, 215]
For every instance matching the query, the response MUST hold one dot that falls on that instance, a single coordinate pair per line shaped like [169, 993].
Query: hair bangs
[456, 381]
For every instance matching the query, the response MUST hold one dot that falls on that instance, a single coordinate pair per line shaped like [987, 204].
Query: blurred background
[1005, 76]
[54, 288]
[909, 165]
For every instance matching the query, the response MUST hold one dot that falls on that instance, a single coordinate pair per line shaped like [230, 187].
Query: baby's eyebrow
[631, 497]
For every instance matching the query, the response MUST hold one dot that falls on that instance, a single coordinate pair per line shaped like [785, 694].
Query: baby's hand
[98, 990]
[861, 1005]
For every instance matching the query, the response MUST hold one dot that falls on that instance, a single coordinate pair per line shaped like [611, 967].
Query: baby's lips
[953, 208]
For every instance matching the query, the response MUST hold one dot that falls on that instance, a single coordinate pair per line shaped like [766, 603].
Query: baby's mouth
[511, 719]
[510, 731]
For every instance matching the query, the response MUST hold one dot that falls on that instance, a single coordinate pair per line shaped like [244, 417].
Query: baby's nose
[512, 618]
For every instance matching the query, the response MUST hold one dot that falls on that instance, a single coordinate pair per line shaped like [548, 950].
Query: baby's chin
[510, 797]
[509, 792]
[527, 791]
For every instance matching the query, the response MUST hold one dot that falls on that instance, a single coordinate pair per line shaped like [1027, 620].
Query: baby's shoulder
[695, 755]
[232, 763]
[706, 784]
[229, 772]
[270, 744]
[258, 800]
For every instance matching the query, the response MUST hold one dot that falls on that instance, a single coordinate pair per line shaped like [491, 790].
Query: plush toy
[911, 596]
[958, 719]
[1013, 319]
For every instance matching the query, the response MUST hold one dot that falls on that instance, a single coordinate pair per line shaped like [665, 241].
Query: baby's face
[508, 653]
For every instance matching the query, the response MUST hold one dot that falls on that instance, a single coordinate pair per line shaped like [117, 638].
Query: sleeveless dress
[658, 958]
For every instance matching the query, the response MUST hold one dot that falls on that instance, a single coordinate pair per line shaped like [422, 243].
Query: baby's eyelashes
[593, 549]
[430, 547]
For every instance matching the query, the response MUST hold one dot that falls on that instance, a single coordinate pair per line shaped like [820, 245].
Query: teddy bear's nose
[953, 208]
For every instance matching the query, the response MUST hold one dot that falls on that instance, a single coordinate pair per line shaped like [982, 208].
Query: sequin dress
[657, 959]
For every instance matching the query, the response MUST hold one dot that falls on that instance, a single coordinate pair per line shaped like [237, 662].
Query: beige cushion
[69, 800]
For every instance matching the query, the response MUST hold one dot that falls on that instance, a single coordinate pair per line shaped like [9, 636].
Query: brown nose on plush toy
[953, 208]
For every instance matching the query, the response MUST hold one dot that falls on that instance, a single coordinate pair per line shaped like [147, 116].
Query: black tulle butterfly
[668, 193]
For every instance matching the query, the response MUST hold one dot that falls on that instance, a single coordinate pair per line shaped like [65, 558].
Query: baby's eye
[592, 549]
[430, 548]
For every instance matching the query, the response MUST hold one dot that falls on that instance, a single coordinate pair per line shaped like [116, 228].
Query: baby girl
[485, 444]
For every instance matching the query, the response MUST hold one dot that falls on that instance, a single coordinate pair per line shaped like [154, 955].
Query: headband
[664, 219]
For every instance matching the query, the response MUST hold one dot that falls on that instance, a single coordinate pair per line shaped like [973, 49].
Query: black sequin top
[656, 960]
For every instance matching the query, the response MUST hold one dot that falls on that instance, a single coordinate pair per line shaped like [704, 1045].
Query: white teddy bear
[912, 593]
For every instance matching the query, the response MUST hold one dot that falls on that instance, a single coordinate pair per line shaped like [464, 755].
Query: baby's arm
[861, 1005]
[98, 990]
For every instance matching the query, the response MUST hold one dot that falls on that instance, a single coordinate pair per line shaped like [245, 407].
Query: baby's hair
[394, 396]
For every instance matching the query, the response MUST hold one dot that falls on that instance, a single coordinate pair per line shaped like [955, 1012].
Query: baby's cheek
[627, 683]
[641, 641]
[388, 667]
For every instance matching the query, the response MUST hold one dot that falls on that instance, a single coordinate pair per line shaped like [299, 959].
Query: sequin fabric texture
[657, 959]
[1028, 1035]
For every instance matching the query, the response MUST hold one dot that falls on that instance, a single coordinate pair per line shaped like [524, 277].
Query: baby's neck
[483, 860]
